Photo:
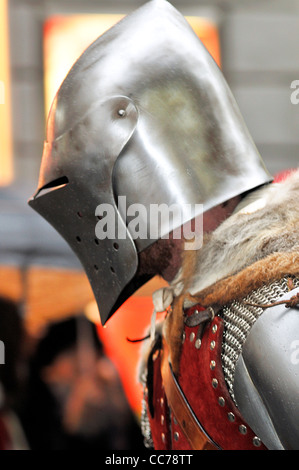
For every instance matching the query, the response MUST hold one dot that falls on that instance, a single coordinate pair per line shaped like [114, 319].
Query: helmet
[145, 115]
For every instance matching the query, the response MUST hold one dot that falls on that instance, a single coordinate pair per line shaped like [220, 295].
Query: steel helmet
[145, 114]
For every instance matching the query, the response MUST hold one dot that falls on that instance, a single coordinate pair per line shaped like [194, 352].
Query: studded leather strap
[202, 381]
[184, 416]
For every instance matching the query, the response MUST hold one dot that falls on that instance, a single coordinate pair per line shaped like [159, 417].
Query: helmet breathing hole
[96, 268]
[96, 241]
[112, 269]
[78, 239]
[116, 246]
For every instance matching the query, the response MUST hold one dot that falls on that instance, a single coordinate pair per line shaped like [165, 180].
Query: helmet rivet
[256, 441]
[243, 429]
[221, 401]
[215, 383]
[121, 112]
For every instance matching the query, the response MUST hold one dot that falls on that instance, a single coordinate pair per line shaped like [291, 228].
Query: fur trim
[238, 286]
[245, 238]
[257, 245]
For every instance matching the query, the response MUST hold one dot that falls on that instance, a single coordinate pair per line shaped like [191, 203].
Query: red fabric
[283, 175]
[196, 378]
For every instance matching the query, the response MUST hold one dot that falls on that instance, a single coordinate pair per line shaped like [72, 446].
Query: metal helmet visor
[145, 117]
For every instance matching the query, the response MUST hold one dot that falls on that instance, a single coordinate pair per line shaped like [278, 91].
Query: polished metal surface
[145, 113]
[266, 378]
[71, 206]
[239, 318]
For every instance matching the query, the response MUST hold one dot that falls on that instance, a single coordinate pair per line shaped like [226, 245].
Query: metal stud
[212, 365]
[176, 436]
[192, 337]
[183, 337]
[163, 437]
[161, 402]
[198, 343]
[221, 401]
[214, 329]
[256, 441]
[215, 383]
[243, 429]
[162, 420]
[231, 417]
[213, 344]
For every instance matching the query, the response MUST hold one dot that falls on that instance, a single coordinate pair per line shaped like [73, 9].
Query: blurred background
[55, 391]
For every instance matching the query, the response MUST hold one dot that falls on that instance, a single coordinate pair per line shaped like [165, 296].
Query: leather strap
[184, 415]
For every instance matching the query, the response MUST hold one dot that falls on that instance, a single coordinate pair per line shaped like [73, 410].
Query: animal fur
[248, 250]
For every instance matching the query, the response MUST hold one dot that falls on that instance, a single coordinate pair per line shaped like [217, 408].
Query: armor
[255, 407]
[226, 356]
[275, 415]
[144, 116]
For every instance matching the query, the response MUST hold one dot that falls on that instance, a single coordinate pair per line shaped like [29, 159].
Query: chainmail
[238, 321]
[240, 318]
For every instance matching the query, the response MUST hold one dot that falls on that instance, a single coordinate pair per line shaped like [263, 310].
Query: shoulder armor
[266, 380]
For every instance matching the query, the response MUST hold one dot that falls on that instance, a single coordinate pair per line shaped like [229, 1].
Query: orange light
[66, 38]
[130, 322]
[6, 166]
[208, 32]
